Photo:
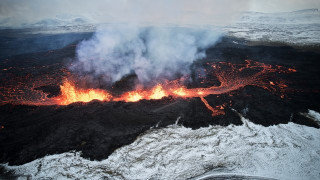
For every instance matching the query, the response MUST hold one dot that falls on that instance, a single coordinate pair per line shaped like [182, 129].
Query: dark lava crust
[98, 128]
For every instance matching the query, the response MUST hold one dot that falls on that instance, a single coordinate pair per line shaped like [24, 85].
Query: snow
[315, 115]
[294, 28]
[298, 28]
[312, 115]
[306, 16]
[285, 151]
[54, 21]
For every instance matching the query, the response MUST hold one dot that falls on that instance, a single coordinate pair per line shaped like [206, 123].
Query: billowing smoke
[152, 53]
[154, 47]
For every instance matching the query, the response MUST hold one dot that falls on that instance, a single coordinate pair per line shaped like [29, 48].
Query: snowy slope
[286, 151]
[307, 16]
[63, 23]
[299, 27]
[58, 20]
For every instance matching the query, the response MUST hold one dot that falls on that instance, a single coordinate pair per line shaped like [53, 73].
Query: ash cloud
[152, 53]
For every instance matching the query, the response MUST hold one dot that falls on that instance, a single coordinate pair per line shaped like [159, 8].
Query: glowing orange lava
[215, 112]
[231, 77]
[133, 96]
[158, 92]
[70, 94]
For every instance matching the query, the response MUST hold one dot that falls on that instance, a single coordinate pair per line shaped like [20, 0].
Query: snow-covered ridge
[315, 116]
[307, 16]
[296, 28]
[285, 151]
[55, 21]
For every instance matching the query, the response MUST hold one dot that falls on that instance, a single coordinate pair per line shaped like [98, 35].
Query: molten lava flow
[18, 84]
[215, 112]
[231, 77]
[157, 92]
[131, 97]
[180, 92]
[70, 94]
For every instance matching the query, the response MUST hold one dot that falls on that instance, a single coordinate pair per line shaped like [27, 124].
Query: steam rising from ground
[152, 53]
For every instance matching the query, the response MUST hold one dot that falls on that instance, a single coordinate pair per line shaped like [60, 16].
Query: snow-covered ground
[55, 21]
[299, 27]
[285, 151]
[314, 115]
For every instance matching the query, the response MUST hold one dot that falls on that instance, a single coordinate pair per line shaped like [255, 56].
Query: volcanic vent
[98, 118]
[218, 78]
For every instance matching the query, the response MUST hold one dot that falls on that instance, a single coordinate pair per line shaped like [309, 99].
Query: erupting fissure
[231, 77]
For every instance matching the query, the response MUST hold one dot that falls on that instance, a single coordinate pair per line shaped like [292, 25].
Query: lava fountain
[70, 94]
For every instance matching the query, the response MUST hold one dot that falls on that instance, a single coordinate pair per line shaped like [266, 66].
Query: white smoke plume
[148, 48]
[152, 53]
[151, 38]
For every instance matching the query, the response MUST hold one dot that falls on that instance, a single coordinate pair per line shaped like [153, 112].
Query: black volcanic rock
[95, 128]
[98, 128]
[197, 115]
[51, 90]
[265, 108]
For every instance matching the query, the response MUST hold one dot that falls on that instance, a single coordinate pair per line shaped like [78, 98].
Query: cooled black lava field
[98, 128]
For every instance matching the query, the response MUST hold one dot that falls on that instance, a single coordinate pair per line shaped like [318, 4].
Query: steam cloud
[152, 53]
[161, 50]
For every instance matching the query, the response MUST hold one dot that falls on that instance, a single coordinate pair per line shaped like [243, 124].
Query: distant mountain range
[59, 20]
[305, 16]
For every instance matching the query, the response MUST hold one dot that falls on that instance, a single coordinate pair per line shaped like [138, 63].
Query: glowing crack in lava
[231, 77]
[215, 112]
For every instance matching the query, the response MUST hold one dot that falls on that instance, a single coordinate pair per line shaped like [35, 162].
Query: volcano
[48, 109]
[45, 111]
[159, 89]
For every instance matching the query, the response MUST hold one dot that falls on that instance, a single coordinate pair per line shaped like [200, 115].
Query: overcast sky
[136, 11]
